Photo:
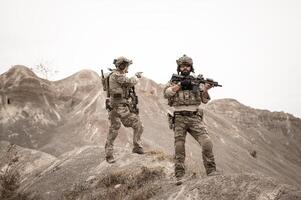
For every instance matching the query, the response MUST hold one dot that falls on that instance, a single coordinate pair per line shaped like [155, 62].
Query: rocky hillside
[60, 128]
[83, 174]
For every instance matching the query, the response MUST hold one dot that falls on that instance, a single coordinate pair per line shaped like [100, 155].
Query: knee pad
[141, 127]
[179, 139]
[115, 126]
[138, 126]
[207, 144]
[180, 145]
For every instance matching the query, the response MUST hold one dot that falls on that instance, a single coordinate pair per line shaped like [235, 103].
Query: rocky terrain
[60, 128]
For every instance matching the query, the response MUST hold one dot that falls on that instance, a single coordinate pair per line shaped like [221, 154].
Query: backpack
[105, 80]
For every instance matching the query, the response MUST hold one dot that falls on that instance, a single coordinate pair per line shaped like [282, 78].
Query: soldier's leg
[180, 136]
[113, 132]
[198, 130]
[132, 120]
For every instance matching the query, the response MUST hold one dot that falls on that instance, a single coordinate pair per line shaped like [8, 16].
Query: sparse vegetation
[77, 190]
[44, 71]
[10, 178]
[159, 155]
[123, 184]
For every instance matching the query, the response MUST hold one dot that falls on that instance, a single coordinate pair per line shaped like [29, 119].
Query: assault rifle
[106, 87]
[195, 81]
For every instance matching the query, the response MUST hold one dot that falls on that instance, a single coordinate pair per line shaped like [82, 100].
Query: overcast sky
[251, 47]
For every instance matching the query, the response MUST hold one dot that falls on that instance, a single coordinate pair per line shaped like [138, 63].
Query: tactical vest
[185, 98]
[118, 93]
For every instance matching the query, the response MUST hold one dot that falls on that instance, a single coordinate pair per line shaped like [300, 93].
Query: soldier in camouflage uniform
[120, 107]
[187, 117]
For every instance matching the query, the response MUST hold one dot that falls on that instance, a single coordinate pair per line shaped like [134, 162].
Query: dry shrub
[138, 184]
[77, 190]
[9, 184]
[145, 193]
[135, 178]
[10, 180]
[133, 184]
[159, 155]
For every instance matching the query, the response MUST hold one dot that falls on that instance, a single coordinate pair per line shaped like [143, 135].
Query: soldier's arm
[171, 89]
[204, 93]
[123, 80]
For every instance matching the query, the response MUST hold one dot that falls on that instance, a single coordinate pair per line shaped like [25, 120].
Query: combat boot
[179, 180]
[214, 173]
[110, 159]
[138, 150]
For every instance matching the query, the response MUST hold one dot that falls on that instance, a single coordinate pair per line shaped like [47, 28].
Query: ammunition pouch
[185, 98]
[117, 96]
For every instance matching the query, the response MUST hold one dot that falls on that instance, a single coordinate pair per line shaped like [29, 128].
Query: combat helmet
[184, 60]
[118, 61]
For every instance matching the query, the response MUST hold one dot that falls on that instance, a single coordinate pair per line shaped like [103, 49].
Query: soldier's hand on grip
[139, 74]
[208, 86]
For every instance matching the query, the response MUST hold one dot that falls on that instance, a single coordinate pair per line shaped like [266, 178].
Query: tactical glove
[139, 74]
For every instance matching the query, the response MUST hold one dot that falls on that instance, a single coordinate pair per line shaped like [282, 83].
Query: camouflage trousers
[195, 126]
[121, 114]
